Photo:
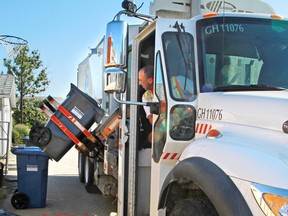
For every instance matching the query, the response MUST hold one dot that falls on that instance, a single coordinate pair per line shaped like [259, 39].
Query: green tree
[30, 76]
[32, 115]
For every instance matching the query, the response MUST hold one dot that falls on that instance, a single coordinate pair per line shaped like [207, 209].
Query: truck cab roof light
[208, 15]
[275, 16]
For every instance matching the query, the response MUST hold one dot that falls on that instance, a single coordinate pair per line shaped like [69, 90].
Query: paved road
[66, 196]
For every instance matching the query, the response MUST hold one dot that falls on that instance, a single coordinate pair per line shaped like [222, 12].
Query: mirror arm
[153, 105]
[129, 102]
[142, 16]
[118, 15]
[133, 14]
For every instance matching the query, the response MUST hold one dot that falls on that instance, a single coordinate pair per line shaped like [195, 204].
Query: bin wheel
[40, 136]
[20, 200]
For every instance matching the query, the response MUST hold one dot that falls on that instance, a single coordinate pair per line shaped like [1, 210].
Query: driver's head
[146, 77]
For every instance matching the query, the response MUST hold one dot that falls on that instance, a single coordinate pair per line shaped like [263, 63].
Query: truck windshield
[239, 54]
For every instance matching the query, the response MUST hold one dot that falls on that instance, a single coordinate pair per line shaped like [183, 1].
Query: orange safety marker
[109, 50]
[109, 128]
[65, 130]
[72, 119]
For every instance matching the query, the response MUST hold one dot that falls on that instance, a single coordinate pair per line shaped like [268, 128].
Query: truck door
[139, 196]
[175, 89]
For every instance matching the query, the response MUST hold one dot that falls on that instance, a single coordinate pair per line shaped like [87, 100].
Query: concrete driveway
[66, 196]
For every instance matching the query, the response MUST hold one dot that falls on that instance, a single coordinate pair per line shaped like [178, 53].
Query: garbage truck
[218, 143]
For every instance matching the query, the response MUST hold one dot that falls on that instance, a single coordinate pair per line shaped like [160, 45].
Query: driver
[146, 80]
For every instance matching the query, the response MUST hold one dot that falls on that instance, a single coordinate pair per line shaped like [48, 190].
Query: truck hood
[253, 155]
[259, 109]
[253, 145]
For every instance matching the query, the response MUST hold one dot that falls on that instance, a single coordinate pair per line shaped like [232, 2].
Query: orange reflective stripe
[61, 126]
[109, 49]
[73, 120]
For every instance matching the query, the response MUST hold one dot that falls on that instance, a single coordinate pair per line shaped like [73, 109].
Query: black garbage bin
[32, 178]
[85, 109]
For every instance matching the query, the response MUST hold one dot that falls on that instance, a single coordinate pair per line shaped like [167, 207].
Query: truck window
[180, 70]
[160, 126]
[242, 54]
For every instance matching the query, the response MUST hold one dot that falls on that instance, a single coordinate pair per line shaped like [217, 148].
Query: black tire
[216, 185]
[20, 200]
[81, 166]
[195, 207]
[89, 175]
[40, 136]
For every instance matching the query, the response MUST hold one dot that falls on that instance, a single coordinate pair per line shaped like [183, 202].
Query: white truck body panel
[170, 8]
[247, 108]
[252, 147]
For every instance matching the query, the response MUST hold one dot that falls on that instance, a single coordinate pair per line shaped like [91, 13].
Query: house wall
[5, 125]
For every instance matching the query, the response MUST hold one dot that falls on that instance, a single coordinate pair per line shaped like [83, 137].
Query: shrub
[19, 130]
[15, 136]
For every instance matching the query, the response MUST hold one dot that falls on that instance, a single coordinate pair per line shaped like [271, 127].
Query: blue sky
[64, 30]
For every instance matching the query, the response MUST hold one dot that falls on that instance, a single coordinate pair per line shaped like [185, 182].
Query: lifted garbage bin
[32, 175]
[84, 109]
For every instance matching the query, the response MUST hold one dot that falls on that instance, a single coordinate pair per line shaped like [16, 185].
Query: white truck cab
[219, 138]
[219, 132]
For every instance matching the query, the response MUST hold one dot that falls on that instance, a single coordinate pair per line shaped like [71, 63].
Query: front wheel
[207, 182]
[195, 207]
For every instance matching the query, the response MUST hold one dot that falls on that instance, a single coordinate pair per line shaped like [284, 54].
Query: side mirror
[116, 44]
[115, 80]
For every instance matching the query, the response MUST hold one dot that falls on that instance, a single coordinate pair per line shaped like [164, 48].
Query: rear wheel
[89, 174]
[81, 166]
